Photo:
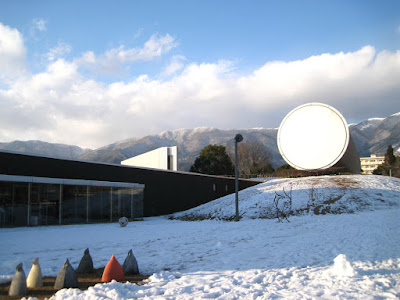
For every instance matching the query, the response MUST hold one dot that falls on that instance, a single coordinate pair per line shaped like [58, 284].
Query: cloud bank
[12, 52]
[114, 59]
[66, 103]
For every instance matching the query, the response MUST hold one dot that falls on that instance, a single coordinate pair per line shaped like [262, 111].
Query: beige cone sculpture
[35, 278]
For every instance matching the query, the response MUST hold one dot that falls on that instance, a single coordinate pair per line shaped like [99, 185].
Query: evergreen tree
[391, 166]
[213, 160]
[390, 159]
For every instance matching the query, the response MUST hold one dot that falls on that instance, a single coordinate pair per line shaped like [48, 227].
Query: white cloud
[112, 60]
[58, 51]
[306, 79]
[62, 105]
[175, 65]
[39, 24]
[12, 52]
[37, 28]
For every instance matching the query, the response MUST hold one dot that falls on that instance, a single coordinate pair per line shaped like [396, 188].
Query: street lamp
[238, 139]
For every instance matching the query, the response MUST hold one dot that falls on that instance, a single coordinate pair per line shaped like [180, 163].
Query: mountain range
[370, 137]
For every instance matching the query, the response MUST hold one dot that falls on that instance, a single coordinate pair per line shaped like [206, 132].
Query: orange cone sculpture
[113, 271]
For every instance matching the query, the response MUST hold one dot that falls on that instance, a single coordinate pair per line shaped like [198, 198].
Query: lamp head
[238, 138]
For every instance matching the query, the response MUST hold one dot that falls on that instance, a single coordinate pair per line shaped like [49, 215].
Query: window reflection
[32, 204]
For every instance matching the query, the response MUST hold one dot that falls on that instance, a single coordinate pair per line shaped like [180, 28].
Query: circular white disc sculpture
[313, 136]
[123, 221]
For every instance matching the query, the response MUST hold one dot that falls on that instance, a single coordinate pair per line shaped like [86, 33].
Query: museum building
[37, 190]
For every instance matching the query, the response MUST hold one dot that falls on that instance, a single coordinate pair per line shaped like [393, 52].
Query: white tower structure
[165, 158]
[316, 136]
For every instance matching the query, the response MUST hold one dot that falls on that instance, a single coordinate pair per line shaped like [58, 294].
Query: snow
[311, 195]
[342, 267]
[203, 129]
[372, 122]
[376, 119]
[354, 254]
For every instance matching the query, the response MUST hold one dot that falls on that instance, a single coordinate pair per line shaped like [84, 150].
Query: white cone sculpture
[66, 278]
[130, 265]
[18, 283]
[35, 278]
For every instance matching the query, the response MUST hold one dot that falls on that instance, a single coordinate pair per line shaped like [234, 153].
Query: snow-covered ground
[310, 195]
[355, 254]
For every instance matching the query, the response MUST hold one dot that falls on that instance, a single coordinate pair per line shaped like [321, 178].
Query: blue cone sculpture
[86, 263]
[66, 278]
[18, 283]
[130, 265]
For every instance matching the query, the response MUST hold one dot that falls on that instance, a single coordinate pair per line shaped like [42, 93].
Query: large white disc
[313, 136]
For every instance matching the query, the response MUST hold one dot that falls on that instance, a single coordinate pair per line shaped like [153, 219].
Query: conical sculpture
[113, 271]
[66, 278]
[18, 283]
[86, 263]
[130, 265]
[35, 278]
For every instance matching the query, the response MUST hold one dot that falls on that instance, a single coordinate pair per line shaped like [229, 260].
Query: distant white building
[369, 164]
[165, 158]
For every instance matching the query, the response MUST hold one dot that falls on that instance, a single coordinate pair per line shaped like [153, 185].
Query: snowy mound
[299, 196]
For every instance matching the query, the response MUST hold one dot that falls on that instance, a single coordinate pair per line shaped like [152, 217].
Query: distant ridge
[44, 149]
[370, 137]
[189, 142]
[374, 135]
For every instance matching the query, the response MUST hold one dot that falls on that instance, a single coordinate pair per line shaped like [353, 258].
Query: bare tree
[253, 158]
[283, 205]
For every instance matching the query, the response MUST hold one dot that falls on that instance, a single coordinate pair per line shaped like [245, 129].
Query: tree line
[253, 160]
[390, 166]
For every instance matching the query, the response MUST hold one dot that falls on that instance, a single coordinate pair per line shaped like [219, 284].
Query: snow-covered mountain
[189, 142]
[44, 149]
[370, 137]
[374, 135]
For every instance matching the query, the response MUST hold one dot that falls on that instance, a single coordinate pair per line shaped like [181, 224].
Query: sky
[90, 73]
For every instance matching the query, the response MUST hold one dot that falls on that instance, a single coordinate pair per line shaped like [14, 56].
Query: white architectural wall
[157, 159]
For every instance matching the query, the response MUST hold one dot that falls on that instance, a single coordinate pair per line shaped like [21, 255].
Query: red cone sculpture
[113, 270]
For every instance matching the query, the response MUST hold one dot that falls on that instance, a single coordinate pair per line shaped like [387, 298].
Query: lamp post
[238, 139]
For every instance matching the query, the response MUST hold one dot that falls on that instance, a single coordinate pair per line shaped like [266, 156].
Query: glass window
[99, 204]
[74, 204]
[137, 203]
[6, 204]
[40, 203]
[45, 204]
[13, 204]
[121, 203]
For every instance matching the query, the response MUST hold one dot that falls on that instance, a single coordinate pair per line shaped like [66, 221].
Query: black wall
[165, 191]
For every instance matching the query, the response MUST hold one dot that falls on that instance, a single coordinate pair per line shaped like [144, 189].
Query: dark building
[36, 190]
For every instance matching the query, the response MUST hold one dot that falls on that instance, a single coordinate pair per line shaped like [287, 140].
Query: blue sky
[119, 69]
[249, 33]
